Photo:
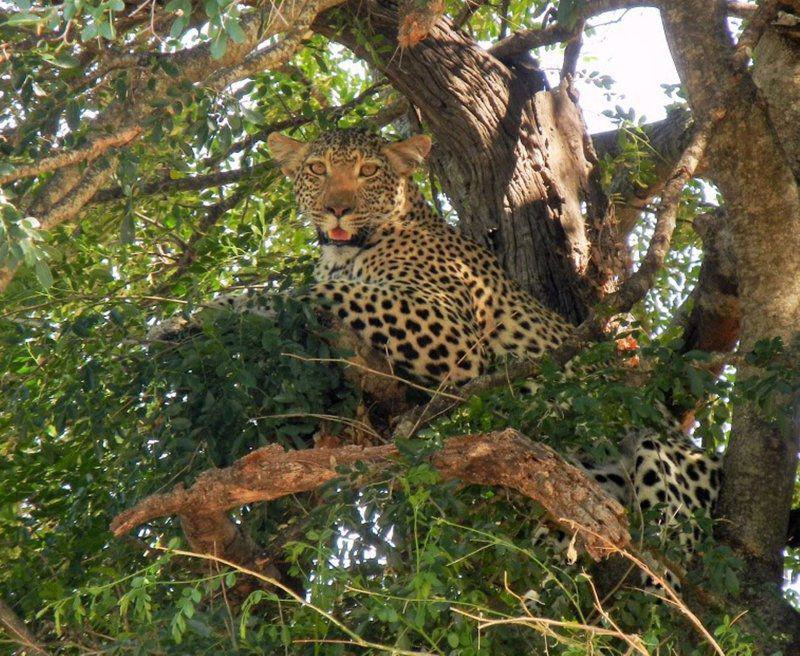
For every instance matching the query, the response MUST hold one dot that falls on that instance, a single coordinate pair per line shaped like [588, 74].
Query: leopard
[439, 306]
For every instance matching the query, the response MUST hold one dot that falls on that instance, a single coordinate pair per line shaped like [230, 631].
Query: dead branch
[505, 458]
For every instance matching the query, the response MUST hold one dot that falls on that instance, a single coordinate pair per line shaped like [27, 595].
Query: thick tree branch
[764, 226]
[519, 189]
[525, 40]
[505, 458]
[712, 324]
[642, 280]
[776, 71]
[96, 175]
[666, 140]
[417, 20]
[94, 149]
[121, 122]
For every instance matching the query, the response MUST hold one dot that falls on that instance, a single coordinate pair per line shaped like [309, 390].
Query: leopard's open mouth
[341, 237]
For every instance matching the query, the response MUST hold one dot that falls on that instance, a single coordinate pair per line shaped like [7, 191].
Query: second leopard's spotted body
[438, 305]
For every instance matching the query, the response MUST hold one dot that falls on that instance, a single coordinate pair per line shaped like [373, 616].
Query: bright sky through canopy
[631, 48]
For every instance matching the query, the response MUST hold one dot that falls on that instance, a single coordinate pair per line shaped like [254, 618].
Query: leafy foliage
[94, 417]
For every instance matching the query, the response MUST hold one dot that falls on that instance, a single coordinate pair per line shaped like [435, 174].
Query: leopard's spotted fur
[440, 306]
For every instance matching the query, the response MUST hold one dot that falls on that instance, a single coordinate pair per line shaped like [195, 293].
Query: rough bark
[504, 458]
[760, 464]
[516, 165]
[776, 72]
[713, 322]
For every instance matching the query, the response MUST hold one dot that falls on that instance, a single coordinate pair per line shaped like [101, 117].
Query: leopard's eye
[368, 170]
[318, 168]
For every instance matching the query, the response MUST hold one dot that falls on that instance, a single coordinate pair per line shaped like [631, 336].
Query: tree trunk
[517, 165]
[751, 168]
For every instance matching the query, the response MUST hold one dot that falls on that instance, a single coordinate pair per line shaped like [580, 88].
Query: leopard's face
[348, 182]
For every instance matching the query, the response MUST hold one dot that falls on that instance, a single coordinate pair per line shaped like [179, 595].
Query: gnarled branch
[504, 458]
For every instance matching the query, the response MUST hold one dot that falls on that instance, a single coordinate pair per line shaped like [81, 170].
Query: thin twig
[671, 596]
[357, 639]
[539, 622]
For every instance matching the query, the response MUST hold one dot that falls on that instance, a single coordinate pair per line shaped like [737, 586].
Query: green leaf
[235, 31]
[73, 115]
[89, 32]
[178, 27]
[43, 274]
[253, 117]
[219, 45]
[62, 60]
[23, 19]
[169, 67]
[127, 231]
[107, 30]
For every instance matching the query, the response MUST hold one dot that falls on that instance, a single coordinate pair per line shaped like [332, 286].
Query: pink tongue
[337, 234]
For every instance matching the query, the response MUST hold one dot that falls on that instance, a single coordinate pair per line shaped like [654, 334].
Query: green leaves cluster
[21, 243]
[93, 417]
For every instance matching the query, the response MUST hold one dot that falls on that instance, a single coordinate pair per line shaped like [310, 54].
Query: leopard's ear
[405, 156]
[288, 152]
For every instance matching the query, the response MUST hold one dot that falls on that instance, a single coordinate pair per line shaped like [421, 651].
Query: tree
[136, 184]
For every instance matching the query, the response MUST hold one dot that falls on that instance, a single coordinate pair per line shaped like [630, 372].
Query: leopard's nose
[339, 210]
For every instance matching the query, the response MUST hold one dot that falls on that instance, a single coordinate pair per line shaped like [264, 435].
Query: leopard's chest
[413, 257]
[336, 263]
[393, 259]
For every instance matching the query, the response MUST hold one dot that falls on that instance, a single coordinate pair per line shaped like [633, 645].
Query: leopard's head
[348, 182]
